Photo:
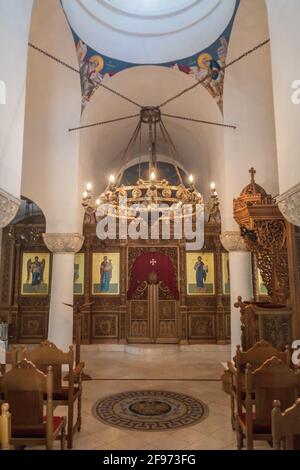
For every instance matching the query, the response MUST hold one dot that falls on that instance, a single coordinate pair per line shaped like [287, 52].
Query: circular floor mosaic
[150, 410]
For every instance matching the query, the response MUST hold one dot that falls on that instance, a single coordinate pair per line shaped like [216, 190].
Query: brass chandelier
[173, 200]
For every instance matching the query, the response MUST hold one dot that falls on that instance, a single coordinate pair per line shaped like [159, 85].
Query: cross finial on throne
[252, 172]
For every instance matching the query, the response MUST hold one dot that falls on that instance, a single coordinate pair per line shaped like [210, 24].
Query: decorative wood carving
[110, 319]
[263, 321]
[105, 326]
[201, 326]
[264, 230]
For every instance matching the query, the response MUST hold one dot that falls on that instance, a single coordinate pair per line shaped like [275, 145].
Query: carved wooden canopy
[264, 229]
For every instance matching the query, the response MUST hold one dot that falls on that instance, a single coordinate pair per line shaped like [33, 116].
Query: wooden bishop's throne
[271, 240]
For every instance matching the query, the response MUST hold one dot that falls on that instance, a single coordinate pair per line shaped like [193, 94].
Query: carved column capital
[63, 242]
[9, 206]
[289, 205]
[233, 241]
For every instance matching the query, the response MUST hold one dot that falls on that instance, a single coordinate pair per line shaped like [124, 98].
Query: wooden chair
[11, 359]
[24, 388]
[255, 356]
[48, 354]
[5, 427]
[286, 426]
[271, 381]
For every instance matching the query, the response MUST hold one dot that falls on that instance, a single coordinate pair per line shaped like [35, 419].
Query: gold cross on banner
[153, 262]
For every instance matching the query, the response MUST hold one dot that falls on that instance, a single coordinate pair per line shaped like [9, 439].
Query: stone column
[63, 247]
[15, 18]
[285, 47]
[240, 279]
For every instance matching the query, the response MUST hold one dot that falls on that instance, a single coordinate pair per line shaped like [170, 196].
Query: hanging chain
[120, 95]
[68, 66]
[178, 95]
[61, 62]
[186, 90]
[150, 150]
[171, 147]
[254, 49]
[140, 154]
[126, 154]
[211, 123]
[101, 123]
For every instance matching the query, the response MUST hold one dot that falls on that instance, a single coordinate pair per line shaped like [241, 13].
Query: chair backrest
[5, 427]
[24, 388]
[273, 380]
[47, 354]
[11, 358]
[258, 354]
[285, 426]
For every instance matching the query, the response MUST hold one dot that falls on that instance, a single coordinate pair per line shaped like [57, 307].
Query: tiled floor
[194, 373]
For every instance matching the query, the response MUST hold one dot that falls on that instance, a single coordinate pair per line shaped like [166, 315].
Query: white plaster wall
[284, 16]
[248, 102]
[50, 161]
[15, 16]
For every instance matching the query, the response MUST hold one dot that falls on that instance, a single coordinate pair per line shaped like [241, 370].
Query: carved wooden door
[152, 315]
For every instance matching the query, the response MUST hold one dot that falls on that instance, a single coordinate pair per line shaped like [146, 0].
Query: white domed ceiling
[189, 36]
[149, 31]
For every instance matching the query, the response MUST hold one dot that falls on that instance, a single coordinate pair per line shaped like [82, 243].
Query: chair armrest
[78, 369]
[231, 368]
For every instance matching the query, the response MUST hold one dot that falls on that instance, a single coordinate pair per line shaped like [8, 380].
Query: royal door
[152, 312]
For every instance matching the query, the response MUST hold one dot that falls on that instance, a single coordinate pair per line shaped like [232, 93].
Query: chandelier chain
[254, 49]
[59, 61]
[178, 95]
[126, 155]
[184, 118]
[70, 67]
[171, 147]
[101, 123]
[186, 90]
[120, 95]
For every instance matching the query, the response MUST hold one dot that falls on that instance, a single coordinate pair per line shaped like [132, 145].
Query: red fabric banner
[153, 262]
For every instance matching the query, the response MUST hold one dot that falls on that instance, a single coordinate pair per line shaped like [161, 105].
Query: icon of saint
[106, 268]
[36, 270]
[201, 271]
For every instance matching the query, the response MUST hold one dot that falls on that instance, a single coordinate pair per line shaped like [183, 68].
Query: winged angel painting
[35, 273]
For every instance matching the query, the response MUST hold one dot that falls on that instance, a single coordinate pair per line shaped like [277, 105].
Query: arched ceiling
[149, 31]
[198, 145]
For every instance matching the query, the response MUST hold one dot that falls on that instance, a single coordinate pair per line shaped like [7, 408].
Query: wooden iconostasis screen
[200, 314]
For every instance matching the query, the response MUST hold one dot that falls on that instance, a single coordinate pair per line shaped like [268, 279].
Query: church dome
[149, 31]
